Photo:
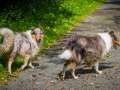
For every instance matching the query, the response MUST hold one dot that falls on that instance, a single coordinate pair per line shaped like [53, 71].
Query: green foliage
[1, 38]
[57, 17]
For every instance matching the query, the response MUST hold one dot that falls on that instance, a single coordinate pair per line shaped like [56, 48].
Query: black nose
[39, 40]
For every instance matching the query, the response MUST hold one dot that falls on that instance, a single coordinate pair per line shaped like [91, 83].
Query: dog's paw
[100, 72]
[9, 73]
[62, 76]
[21, 68]
[32, 66]
[76, 77]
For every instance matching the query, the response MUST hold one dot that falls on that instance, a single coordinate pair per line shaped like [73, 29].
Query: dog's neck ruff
[108, 42]
[32, 40]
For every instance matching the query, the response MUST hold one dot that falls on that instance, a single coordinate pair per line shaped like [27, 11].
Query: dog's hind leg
[10, 61]
[73, 70]
[30, 64]
[26, 59]
[64, 68]
[96, 64]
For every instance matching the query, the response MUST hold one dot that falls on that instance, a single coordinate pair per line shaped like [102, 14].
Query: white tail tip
[67, 54]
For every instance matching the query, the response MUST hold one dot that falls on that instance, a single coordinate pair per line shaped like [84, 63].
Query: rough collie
[26, 44]
[87, 48]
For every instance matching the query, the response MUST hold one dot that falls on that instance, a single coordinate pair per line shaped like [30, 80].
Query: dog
[89, 48]
[25, 44]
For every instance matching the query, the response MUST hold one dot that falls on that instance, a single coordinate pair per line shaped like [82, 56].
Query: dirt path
[44, 76]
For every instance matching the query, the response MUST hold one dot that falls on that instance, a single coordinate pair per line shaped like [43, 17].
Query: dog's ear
[32, 28]
[32, 31]
[111, 33]
[41, 28]
[114, 46]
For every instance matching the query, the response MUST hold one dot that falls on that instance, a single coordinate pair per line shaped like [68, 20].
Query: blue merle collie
[89, 48]
[26, 44]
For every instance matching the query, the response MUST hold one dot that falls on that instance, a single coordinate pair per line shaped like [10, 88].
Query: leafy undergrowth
[57, 17]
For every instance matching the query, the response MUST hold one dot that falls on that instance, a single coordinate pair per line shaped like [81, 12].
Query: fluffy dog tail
[73, 51]
[7, 40]
[67, 54]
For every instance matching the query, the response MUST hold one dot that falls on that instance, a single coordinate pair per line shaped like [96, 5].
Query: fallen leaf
[110, 56]
[38, 57]
[52, 81]
[34, 86]
[41, 64]
[36, 83]
[40, 73]
[118, 86]
[107, 28]
[62, 88]
[98, 86]
[6, 82]
[44, 78]
[88, 77]
[118, 77]
[46, 89]
[20, 82]
[2, 78]
[78, 75]
[91, 84]
[71, 89]
[58, 78]
[116, 67]
[104, 73]
[33, 75]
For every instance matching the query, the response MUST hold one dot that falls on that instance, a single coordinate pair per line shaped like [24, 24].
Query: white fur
[67, 54]
[108, 42]
[34, 42]
[3, 31]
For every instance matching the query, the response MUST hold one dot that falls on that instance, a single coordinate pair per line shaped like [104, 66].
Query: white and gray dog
[26, 44]
[87, 48]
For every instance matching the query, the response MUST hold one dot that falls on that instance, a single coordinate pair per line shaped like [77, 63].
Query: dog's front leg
[73, 70]
[89, 64]
[30, 64]
[26, 59]
[96, 64]
[10, 61]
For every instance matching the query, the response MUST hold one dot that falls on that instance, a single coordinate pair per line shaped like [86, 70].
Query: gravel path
[45, 75]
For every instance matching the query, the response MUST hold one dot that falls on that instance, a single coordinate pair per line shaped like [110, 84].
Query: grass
[57, 17]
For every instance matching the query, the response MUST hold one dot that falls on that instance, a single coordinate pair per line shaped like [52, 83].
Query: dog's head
[37, 34]
[115, 40]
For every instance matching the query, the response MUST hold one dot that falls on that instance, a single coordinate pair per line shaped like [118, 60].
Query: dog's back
[93, 45]
[22, 45]
[90, 48]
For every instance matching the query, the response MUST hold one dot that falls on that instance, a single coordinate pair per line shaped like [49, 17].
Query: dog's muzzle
[39, 40]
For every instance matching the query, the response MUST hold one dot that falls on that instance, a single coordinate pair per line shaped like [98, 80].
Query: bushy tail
[74, 51]
[8, 40]
[67, 54]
